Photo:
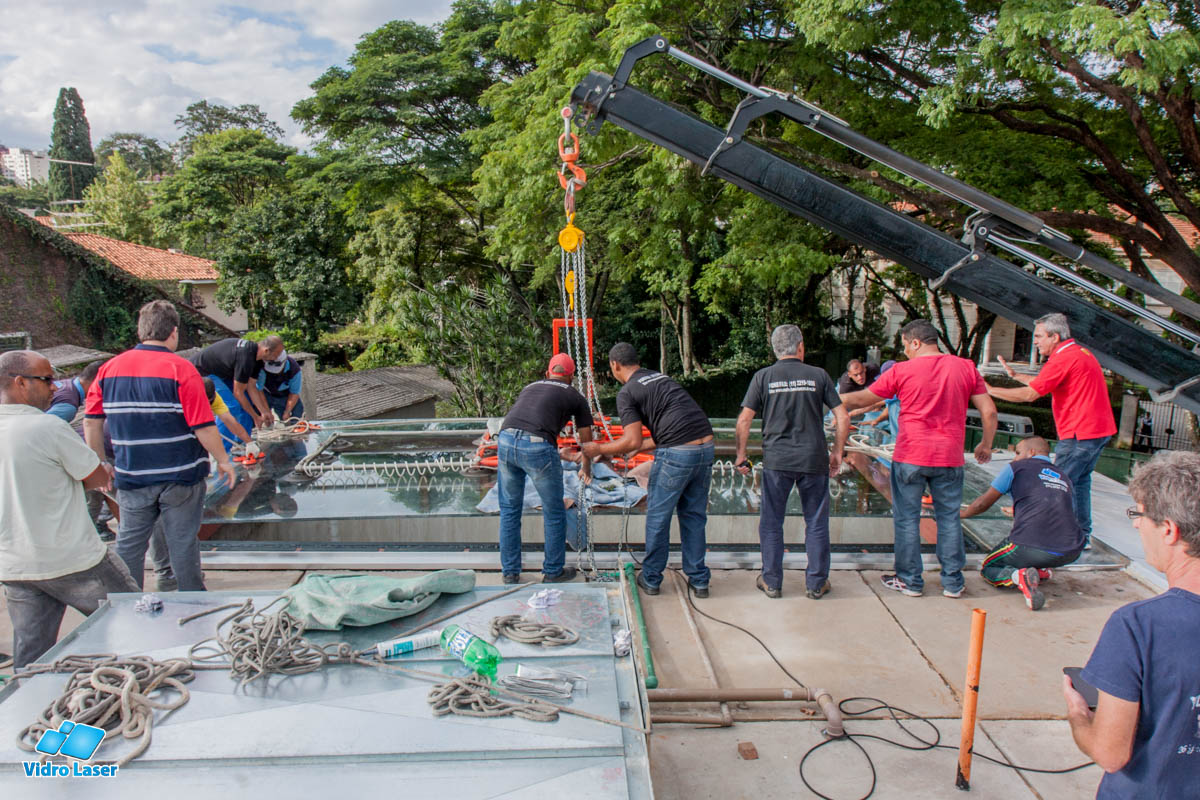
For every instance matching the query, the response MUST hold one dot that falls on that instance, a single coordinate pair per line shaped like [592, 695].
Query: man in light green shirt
[50, 557]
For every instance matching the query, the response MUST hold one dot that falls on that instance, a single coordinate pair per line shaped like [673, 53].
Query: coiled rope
[113, 693]
[472, 697]
[526, 631]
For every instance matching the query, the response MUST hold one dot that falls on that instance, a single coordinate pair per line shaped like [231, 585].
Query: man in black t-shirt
[234, 365]
[792, 397]
[528, 447]
[1045, 532]
[682, 470]
[858, 376]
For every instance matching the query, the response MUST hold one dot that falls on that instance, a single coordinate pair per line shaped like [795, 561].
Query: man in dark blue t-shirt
[1045, 532]
[792, 397]
[1145, 730]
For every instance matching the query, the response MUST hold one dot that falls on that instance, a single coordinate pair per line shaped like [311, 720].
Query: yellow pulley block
[569, 285]
[570, 237]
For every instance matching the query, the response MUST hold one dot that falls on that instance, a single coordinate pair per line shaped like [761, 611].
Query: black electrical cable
[893, 712]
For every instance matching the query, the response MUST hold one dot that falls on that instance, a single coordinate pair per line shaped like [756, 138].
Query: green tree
[202, 118]
[229, 171]
[476, 339]
[284, 260]
[1092, 105]
[122, 203]
[36, 197]
[70, 140]
[145, 155]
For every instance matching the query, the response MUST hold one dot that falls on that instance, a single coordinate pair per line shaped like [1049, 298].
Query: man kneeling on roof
[1045, 532]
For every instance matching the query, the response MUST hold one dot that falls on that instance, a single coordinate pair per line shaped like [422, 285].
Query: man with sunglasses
[50, 556]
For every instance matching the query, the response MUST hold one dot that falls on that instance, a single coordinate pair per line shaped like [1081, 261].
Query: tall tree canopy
[144, 155]
[119, 200]
[70, 140]
[202, 118]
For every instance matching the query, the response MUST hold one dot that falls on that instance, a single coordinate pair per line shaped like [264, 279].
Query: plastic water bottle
[398, 647]
[479, 655]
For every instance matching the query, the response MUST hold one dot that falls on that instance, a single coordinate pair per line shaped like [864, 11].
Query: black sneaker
[767, 590]
[107, 536]
[512, 577]
[166, 584]
[816, 594]
[647, 588]
[699, 591]
[568, 574]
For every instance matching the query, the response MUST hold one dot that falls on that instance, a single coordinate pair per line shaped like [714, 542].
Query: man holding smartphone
[1145, 731]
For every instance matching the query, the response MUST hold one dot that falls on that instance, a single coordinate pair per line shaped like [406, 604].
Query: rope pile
[472, 697]
[113, 693]
[525, 631]
[259, 644]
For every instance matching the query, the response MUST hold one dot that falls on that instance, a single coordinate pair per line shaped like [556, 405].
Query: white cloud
[139, 63]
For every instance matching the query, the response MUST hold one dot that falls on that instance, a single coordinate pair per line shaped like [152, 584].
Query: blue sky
[139, 63]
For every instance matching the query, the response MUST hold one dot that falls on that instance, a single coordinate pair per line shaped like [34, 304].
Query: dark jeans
[814, 499]
[679, 481]
[180, 508]
[946, 487]
[519, 456]
[36, 608]
[1077, 459]
[999, 564]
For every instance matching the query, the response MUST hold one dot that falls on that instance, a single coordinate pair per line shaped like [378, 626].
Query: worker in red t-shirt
[934, 389]
[1083, 413]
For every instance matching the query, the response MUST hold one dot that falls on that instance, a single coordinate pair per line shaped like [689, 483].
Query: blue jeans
[1077, 458]
[946, 488]
[679, 481]
[235, 408]
[278, 403]
[520, 455]
[814, 499]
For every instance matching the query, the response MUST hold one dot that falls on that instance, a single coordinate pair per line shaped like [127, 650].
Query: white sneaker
[953, 595]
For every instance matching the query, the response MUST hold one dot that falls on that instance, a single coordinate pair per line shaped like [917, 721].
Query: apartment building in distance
[24, 167]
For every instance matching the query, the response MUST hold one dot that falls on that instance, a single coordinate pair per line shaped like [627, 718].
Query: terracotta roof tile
[147, 263]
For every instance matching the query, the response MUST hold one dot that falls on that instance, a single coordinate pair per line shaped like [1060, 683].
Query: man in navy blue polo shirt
[1145, 731]
[1045, 531]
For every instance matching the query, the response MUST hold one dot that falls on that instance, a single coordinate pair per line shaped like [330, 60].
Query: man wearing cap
[528, 448]
[280, 382]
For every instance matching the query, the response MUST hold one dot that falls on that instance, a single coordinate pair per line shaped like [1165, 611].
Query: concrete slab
[689, 764]
[846, 642]
[1046, 745]
[1024, 652]
[260, 580]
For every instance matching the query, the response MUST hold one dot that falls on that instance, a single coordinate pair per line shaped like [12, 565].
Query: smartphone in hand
[1090, 693]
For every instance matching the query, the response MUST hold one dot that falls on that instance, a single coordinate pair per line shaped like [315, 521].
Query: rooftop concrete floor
[859, 640]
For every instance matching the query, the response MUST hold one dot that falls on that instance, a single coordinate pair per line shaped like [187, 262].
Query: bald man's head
[1033, 446]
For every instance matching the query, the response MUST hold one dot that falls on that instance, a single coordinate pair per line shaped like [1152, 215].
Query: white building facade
[25, 167]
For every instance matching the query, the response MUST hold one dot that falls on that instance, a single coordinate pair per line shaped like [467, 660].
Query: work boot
[767, 590]
[699, 591]
[815, 594]
[1027, 581]
[166, 583]
[512, 577]
[647, 588]
[568, 574]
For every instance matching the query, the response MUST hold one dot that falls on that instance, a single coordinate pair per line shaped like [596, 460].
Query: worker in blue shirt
[280, 382]
[1045, 532]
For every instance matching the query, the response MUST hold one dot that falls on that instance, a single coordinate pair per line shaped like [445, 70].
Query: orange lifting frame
[562, 325]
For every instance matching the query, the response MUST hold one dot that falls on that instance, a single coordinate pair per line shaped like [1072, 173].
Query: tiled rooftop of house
[142, 261]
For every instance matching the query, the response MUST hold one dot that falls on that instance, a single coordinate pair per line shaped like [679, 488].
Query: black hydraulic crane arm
[965, 268]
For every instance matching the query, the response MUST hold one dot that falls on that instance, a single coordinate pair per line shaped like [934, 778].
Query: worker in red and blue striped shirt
[161, 426]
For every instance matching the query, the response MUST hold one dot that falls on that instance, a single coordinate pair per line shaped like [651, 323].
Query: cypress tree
[71, 140]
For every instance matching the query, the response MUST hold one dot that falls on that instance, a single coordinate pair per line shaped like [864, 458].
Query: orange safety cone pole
[970, 700]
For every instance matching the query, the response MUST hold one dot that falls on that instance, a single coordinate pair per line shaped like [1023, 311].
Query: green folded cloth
[329, 602]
